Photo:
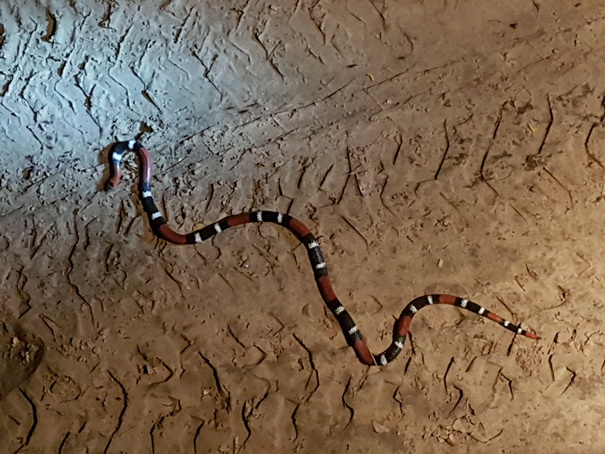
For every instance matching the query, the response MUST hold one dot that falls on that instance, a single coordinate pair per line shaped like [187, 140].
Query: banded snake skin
[350, 330]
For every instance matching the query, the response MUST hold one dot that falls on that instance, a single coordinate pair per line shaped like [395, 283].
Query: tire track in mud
[343, 112]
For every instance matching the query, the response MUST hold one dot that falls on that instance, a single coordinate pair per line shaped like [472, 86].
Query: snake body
[350, 330]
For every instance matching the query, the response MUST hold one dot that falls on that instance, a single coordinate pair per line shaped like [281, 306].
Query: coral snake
[350, 330]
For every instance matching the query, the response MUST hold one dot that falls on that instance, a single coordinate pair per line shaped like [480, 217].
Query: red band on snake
[350, 330]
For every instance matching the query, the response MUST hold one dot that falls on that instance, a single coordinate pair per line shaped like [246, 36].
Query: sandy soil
[433, 146]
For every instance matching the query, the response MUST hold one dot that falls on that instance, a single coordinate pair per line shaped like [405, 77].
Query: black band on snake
[350, 330]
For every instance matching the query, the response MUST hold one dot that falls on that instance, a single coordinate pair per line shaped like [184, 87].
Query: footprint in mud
[20, 355]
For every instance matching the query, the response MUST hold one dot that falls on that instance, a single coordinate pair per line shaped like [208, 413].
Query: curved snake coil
[320, 270]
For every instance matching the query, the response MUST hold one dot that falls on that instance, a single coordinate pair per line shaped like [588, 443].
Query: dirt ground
[433, 146]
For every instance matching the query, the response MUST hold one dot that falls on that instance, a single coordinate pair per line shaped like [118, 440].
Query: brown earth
[433, 146]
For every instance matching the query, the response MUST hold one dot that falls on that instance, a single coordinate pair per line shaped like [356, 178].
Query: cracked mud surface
[451, 147]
